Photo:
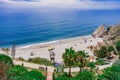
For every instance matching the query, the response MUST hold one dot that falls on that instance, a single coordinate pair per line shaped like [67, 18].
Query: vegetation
[85, 75]
[118, 45]
[69, 59]
[6, 59]
[116, 63]
[111, 73]
[119, 54]
[6, 50]
[91, 65]
[17, 72]
[8, 71]
[42, 61]
[34, 75]
[100, 62]
[62, 76]
[80, 59]
[110, 48]
[102, 53]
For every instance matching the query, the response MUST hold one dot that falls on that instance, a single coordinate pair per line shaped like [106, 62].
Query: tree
[69, 59]
[13, 51]
[80, 59]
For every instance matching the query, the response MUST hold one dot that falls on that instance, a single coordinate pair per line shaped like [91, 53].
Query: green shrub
[17, 73]
[21, 59]
[91, 65]
[100, 62]
[116, 63]
[34, 75]
[62, 78]
[85, 75]
[110, 48]
[110, 73]
[102, 53]
[39, 60]
[118, 45]
[6, 59]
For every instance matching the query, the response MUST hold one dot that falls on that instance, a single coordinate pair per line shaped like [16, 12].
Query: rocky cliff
[110, 35]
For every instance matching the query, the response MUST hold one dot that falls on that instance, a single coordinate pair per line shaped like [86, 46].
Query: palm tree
[69, 59]
[81, 60]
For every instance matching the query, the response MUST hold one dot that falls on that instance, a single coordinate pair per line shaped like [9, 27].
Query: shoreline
[41, 49]
[54, 42]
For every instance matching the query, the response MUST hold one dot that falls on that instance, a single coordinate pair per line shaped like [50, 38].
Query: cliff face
[110, 35]
[100, 31]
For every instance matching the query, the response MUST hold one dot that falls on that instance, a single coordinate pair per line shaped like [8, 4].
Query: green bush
[6, 59]
[91, 65]
[109, 76]
[118, 45]
[21, 59]
[39, 60]
[85, 75]
[34, 75]
[110, 73]
[110, 48]
[116, 63]
[17, 72]
[62, 78]
[102, 53]
[100, 62]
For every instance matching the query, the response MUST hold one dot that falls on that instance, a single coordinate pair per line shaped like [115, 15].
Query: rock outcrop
[110, 35]
[100, 32]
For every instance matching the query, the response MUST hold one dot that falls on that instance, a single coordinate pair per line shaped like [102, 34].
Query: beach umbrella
[50, 48]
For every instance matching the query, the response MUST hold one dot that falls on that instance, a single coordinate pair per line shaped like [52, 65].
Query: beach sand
[41, 50]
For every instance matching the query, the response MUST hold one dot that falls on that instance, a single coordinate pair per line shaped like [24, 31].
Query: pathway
[50, 70]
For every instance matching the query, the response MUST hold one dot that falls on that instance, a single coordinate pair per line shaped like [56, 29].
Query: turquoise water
[27, 26]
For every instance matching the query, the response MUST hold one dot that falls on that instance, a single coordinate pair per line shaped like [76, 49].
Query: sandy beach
[41, 49]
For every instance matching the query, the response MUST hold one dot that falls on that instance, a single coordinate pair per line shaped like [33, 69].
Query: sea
[31, 26]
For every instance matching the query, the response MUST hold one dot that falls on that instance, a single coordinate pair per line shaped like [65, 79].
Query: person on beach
[85, 41]
[22, 64]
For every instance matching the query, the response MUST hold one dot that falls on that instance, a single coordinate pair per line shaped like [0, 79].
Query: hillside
[110, 35]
